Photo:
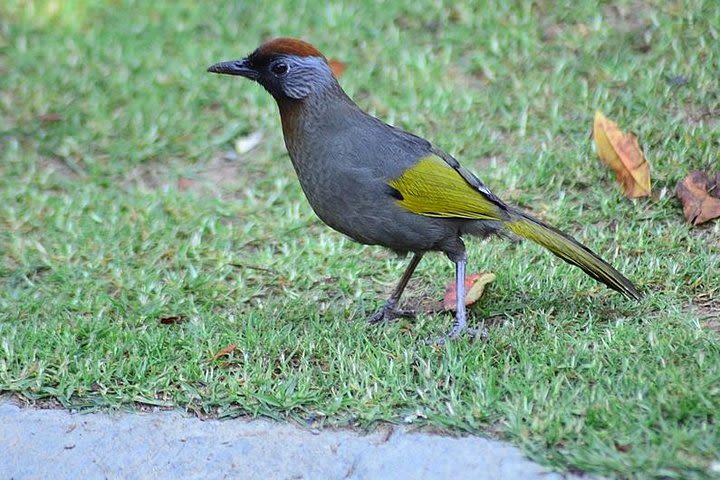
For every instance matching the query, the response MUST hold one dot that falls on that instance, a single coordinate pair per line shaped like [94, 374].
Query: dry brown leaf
[474, 287]
[172, 319]
[700, 197]
[623, 447]
[50, 117]
[222, 352]
[621, 152]
[184, 183]
[337, 67]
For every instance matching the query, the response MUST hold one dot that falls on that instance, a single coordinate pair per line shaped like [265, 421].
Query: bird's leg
[460, 323]
[460, 313]
[390, 310]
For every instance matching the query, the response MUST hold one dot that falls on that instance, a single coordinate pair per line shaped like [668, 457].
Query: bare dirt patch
[702, 116]
[221, 176]
[708, 311]
[61, 167]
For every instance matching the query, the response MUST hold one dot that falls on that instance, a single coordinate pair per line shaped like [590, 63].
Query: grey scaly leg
[460, 314]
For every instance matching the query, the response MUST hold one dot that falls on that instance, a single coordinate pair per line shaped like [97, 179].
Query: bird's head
[288, 68]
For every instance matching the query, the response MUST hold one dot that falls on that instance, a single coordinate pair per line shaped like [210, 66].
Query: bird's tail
[570, 250]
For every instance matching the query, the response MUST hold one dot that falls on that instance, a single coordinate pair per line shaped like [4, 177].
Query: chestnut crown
[287, 68]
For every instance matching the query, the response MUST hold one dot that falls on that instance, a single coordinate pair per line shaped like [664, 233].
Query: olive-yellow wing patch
[434, 188]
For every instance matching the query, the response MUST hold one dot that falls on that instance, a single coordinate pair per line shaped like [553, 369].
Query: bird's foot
[460, 328]
[474, 333]
[389, 311]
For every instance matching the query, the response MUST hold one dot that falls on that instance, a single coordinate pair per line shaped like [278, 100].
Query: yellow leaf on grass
[621, 152]
[474, 287]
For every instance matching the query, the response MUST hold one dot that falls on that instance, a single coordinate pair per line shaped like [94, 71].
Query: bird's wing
[438, 186]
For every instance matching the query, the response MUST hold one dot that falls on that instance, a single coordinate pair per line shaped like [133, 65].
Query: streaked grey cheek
[297, 91]
[300, 85]
[304, 81]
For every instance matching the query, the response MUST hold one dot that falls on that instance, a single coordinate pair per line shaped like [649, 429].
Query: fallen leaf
[248, 142]
[337, 67]
[185, 183]
[50, 117]
[623, 447]
[172, 319]
[222, 352]
[474, 288]
[621, 152]
[700, 197]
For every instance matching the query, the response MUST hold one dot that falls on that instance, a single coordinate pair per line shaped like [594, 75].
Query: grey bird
[380, 185]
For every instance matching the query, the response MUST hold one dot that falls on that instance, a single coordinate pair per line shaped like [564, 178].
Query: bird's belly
[368, 214]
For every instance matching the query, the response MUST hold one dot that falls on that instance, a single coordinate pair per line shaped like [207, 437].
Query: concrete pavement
[62, 445]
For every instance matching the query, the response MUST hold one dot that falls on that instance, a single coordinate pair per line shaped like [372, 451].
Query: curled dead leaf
[337, 67]
[700, 197]
[621, 152]
[172, 319]
[474, 287]
[184, 183]
[623, 447]
[50, 117]
[222, 352]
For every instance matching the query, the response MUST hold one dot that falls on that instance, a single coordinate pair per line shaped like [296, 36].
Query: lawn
[136, 242]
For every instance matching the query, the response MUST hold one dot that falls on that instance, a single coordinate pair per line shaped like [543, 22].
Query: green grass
[119, 210]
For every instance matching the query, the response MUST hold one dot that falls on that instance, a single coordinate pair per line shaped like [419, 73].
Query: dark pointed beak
[235, 67]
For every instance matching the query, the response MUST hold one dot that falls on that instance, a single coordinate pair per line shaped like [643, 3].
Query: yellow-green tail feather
[571, 251]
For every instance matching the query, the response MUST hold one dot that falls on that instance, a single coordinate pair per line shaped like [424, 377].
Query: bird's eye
[279, 68]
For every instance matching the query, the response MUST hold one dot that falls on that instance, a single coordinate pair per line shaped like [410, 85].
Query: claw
[377, 317]
[458, 325]
[481, 333]
[390, 312]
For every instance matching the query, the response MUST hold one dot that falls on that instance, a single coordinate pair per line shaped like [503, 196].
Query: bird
[381, 185]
